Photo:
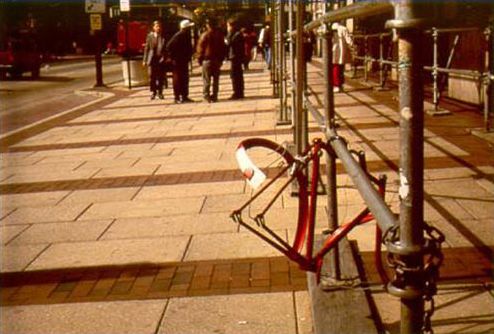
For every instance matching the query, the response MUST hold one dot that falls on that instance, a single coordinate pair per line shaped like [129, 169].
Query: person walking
[250, 41]
[236, 55]
[154, 58]
[265, 44]
[210, 55]
[180, 50]
[342, 43]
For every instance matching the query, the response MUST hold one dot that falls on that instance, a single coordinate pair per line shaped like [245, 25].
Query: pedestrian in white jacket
[342, 43]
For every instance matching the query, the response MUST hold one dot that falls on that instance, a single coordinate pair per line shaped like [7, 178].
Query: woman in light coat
[342, 43]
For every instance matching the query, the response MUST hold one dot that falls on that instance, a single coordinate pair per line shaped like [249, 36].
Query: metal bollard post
[409, 284]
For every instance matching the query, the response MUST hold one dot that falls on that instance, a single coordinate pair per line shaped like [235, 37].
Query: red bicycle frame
[307, 211]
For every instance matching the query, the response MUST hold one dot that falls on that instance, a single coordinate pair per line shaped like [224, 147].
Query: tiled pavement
[115, 217]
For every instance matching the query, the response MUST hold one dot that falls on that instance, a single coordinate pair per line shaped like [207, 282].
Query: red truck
[136, 38]
[18, 54]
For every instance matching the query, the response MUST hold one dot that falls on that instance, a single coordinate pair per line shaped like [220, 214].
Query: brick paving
[147, 281]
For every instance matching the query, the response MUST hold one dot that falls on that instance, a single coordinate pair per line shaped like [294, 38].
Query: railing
[405, 239]
[484, 78]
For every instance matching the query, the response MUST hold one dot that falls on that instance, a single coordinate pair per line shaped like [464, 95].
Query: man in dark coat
[210, 55]
[180, 50]
[154, 58]
[236, 54]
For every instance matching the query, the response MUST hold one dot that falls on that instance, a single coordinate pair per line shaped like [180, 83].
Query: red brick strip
[135, 282]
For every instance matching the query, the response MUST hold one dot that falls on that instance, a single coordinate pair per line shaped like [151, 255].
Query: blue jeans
[267, 56]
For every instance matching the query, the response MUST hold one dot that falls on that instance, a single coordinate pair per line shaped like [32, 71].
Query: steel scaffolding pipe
[483, 77]
[489, 103]
[409, 246]
[274, 48]
[301, 124]
[281, 61]
[356, 10]
[329, 122]
[292, 62]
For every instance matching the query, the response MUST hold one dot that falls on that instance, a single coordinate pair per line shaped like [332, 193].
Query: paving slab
[466, 188]
[45, 214]
[40, 199]
[126, 171]
[459, 309]
[467, 232]
[227, 246]
[478, 208]
[185, 190]
[100, 195]
[62, 232]
[253, 313]
[148, 227]
[132, 317]
[37, 174]
[17, 258]
[9, 232]
[111, 252]
[156, 208]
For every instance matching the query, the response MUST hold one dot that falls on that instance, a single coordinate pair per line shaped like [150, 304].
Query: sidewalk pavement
[115, 218]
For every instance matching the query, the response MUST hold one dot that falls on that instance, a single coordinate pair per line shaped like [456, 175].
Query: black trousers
[237, 75]
[181, 80]
[156, 77]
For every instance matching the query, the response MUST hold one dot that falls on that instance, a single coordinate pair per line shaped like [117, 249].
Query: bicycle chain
[432, 249]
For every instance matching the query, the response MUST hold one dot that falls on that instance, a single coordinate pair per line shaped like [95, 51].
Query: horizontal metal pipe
[447, 30]
[355, 10]
[467, 73]
[372, 35]
[318, 117]
[439, 30]
[381, 212]
[383, 215]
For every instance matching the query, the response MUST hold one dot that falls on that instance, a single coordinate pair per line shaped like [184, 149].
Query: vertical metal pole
[489, 115]
[98, 60]
[301, 137]
[274, 47]
[292, 62]
[127, 49]
[282, 116]
[411, 240]
[366, 56]
[381, 58]
[327, 53]
[435, 74]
